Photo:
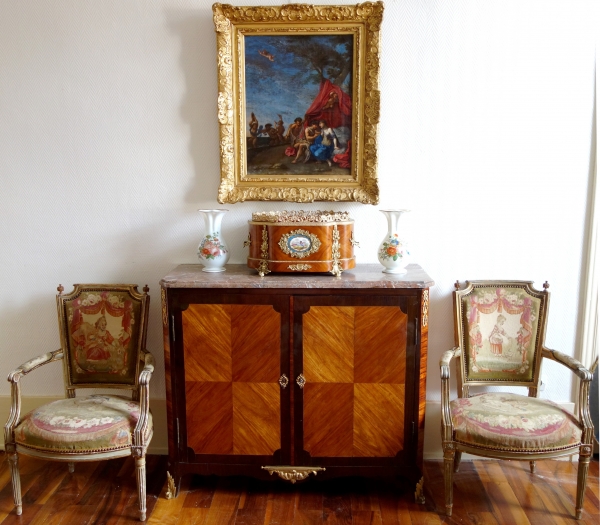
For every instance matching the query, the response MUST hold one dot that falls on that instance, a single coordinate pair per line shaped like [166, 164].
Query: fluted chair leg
[582, 473]
[140, 472]
[13, 461]
[449, 462]
[532, 467]
[71, 467]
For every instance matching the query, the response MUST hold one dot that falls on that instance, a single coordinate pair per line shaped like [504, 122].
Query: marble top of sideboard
[240, 276]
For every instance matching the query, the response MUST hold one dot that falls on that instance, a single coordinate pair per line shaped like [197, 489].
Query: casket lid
[301, 216]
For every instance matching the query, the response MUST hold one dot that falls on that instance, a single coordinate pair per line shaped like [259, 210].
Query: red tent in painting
[331, 105]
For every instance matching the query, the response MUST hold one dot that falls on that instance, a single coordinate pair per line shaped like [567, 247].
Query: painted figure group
[316, 141]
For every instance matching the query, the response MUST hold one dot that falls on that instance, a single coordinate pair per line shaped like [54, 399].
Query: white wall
[108, 146]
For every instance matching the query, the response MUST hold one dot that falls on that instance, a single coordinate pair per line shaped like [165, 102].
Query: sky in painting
[282, 86]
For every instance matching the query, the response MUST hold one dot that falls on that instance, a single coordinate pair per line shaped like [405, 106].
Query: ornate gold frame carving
[232, 24]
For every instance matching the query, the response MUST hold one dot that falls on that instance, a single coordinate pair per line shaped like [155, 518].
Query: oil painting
[298, 102]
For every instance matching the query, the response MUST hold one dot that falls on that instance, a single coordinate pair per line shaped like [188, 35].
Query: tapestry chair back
[100, 336]
[500, 327]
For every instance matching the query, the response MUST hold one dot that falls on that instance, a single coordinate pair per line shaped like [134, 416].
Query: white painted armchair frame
[140, 392]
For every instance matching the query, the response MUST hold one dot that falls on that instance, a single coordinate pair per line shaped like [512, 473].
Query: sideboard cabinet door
[281, 375]
[357, 360]
[232, 398]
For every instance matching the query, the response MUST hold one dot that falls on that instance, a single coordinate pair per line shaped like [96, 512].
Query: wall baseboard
[159, 443]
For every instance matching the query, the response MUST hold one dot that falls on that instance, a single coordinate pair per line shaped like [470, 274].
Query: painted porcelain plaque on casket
[299, 241]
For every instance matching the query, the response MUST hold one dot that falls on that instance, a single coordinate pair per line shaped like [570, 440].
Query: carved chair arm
[139, 445]
[585, 378]
[447, 356]
[15, 390]
[447, 427]
[570, 362]
[34, 363]
[148, 369]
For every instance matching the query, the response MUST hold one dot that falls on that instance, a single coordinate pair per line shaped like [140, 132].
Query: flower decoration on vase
[393, 252]
[212, 250]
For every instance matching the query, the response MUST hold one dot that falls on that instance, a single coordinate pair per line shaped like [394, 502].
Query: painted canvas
[298, 105]
[298, 102]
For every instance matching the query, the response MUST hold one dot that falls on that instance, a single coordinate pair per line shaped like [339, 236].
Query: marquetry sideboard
[295, 375]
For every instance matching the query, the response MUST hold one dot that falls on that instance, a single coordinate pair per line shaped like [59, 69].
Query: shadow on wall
[130, 256]
[196, 34]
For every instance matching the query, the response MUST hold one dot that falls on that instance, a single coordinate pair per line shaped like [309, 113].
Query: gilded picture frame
[298, 102]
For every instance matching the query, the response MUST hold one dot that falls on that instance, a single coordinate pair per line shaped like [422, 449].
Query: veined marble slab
[240, 276]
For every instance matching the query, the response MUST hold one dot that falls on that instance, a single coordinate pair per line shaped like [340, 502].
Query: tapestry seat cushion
[505, 421]
[80, 425]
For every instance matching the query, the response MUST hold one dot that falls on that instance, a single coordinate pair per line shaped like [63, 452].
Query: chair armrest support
[139, 433]
[14, 378]
[585, 378]
[570, 362]
[148, 369]
[447, 356]
[447, 427]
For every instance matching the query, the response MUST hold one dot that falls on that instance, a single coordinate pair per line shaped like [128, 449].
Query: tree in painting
[298, 103]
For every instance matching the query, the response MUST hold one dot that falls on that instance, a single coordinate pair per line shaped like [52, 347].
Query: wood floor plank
[361, 497]
[201, 492]
[167, 511]
[193, 516]
[311, 498]
[461, 492]
[487, 492]
[559, 481]
[281, 506]
[29, 514]
[225, 501]
[366, 517]
[391, 513]
[470, 489]
[337, 509]
[418, 513]
[502, 496]
[253, 509]
[523, 483]
[308, 517]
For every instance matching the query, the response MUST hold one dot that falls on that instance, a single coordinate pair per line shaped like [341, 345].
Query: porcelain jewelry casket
[301, 242]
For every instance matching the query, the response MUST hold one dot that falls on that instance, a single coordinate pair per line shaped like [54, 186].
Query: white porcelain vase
[212, 250]
[393, 252]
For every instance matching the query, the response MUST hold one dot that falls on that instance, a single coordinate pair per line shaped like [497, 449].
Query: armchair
[103, 338]
[499, 329]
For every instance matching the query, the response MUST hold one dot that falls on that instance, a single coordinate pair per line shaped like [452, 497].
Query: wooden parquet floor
[485, 492]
